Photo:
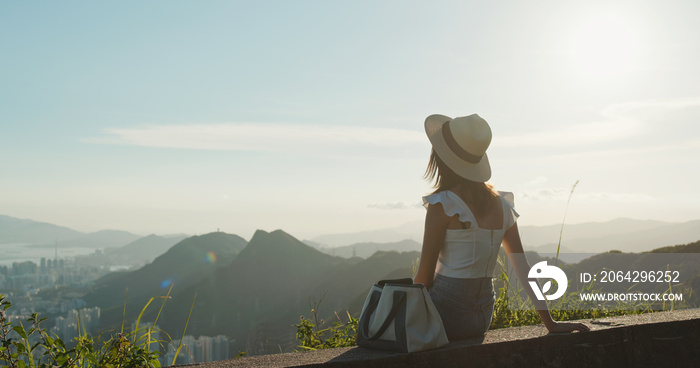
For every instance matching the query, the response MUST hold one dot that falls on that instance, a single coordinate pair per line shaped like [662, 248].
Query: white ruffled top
[472, 252]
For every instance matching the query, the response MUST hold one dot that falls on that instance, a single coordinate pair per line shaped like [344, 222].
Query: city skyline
[177, 117]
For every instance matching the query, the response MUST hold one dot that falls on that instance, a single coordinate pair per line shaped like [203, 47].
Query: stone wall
[663, 339]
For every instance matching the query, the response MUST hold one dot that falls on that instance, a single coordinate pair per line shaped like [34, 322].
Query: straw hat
[461, 143]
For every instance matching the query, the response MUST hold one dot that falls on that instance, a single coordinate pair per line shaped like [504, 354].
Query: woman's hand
[564, 327]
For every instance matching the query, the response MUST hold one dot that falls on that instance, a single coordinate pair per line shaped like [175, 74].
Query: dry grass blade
[561, 231]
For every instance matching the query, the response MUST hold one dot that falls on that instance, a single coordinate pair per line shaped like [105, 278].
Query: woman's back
[470, 245]
[490, 218]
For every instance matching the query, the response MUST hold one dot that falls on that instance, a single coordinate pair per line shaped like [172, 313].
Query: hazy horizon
[411, 233]
[178, 117]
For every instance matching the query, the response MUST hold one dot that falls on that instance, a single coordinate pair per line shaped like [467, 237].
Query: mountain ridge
[16, 230]
[575, 237]
[143, 250]
[184, 264]
[256, 295]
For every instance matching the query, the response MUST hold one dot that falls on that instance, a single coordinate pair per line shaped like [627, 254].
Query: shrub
[313, 333]
[35, 348]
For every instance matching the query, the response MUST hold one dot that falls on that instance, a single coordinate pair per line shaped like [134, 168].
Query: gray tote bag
[399, 315]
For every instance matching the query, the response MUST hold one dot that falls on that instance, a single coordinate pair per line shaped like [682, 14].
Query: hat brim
[479, 172]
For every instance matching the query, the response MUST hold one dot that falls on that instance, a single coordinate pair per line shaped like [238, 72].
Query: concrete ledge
[650, 340]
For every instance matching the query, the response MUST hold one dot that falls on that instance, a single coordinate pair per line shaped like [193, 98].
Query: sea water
[22, 252]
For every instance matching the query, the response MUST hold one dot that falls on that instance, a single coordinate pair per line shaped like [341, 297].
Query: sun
[605, 46]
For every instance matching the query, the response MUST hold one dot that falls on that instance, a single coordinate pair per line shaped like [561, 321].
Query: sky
[187, 117]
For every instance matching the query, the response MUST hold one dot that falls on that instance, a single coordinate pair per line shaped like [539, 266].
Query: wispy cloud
[395, 205]
[648, 109]
[573, 135]
[617, 197]
[562, 194]
[259, 137]
[624, 121]
[543, 194]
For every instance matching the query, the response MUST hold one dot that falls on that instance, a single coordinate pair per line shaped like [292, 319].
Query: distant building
[24, 268]
[76, 322]
[200, 350]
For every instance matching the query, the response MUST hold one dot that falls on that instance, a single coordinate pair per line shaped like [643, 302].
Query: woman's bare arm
[433, 238]
[516, 255]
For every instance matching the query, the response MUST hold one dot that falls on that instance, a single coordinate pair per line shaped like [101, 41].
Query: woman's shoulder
[508, 197]
[510, 215]
[434, 198]
[443, 197]
[451, 204]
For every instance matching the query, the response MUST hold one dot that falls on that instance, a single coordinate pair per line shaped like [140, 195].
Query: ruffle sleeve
[452, 206]
[510, 215]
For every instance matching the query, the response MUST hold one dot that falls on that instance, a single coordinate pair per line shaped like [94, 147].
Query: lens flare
[166, 283]
[210, 257]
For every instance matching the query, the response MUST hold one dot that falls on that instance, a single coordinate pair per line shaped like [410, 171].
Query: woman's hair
[479, 194]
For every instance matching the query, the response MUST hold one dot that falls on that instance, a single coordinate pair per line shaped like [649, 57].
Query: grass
[34, 347]
[314, 333]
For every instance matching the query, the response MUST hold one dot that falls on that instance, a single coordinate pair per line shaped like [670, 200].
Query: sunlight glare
[604, 47]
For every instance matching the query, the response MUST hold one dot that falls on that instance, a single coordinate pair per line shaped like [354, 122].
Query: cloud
[260, 137]
[539, 180]
[648, 109]
[544, 194]
[655, 122]
[562, 194]
[395, 205]
[616, 197]
[572, 135]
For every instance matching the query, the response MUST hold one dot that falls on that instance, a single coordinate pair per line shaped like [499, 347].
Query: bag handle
[399, 300]
[403, 281]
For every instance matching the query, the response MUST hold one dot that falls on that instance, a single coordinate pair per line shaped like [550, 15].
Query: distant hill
[256, 291]
[14, 230]
[348, 286]
[143, 250]
[260, 292]
[413, 230]
[365, 250]
[539, 235]
[683, 248]
[185, 264]
[622, 234]
[683, 259]
[255, 298]
[636, 241]
[100, 239]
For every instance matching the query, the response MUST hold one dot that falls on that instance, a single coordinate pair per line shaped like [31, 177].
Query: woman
[466, 222]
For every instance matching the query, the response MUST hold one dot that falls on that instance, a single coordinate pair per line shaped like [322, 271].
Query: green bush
[313, 333]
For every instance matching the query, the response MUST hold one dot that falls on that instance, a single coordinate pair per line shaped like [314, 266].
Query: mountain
[14, 230]
[365, 250]
[256, 291]
[634, 241]
[262, 289]
[185, 264]
[412, 230]
[143, 250]
[683, 248]
[681, 263]
[100, 239]
[622, 234]
[347, 286]
[539, 235]
[275, 279]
